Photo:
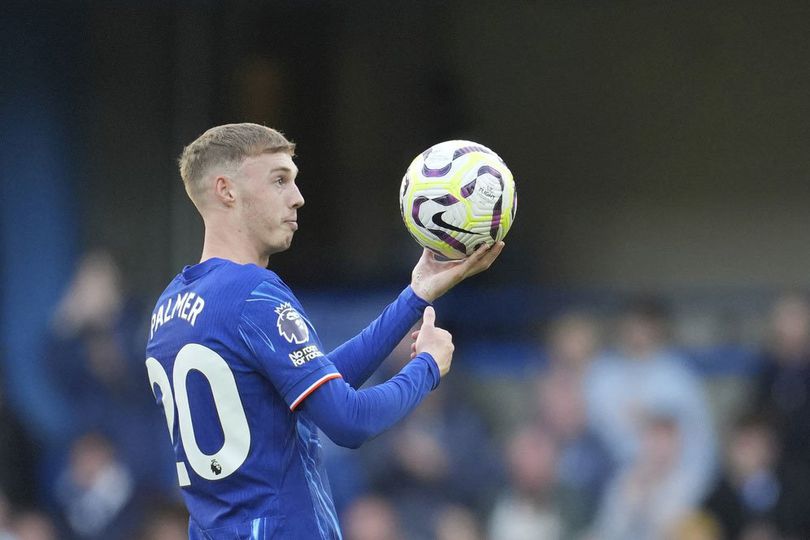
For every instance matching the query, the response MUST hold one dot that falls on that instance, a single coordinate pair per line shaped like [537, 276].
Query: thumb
[429, 317]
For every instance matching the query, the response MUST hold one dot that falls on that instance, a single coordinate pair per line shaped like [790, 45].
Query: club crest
[291, 325]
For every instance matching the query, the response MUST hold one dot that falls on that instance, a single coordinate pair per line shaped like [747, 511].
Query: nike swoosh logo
[437, 219]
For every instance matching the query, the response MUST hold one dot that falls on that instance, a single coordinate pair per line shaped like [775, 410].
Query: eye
[280, 180]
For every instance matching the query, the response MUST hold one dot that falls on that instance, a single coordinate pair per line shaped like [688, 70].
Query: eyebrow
[283, 169]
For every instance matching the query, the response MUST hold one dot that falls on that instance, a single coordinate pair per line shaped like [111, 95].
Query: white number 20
[235, 430]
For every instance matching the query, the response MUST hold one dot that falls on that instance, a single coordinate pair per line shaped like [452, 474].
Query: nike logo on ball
[437, 219]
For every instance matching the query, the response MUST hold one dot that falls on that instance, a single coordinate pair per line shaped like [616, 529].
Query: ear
[224, 190]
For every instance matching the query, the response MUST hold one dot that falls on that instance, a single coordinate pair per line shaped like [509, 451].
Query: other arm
[359, 357]
[350, 417]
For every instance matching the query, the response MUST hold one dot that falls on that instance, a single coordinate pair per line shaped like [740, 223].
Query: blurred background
[636, 365]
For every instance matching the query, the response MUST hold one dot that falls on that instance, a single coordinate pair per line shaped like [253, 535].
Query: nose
[298, 199]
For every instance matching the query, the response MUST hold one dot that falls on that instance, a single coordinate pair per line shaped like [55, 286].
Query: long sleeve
[350, 417]
[359, 357]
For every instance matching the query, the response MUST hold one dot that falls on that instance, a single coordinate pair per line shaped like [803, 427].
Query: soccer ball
[457, 195]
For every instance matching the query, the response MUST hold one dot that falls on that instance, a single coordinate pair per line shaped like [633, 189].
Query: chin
[278, 247]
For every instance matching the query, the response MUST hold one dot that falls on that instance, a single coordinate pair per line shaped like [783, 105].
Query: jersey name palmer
[186, 306]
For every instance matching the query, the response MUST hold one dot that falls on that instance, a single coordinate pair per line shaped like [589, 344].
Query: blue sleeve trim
[416, 301]
[432, 366]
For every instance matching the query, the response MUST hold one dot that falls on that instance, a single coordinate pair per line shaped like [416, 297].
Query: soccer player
[239, 370]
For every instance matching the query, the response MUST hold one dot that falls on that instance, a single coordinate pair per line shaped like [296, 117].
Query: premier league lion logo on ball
[291, 325]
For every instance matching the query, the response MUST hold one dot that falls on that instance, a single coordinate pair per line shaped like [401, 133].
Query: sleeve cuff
[414, 300]
[433, 367]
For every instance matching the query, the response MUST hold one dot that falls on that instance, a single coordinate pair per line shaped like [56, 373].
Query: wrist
[433, 368]
[423, 292]
[413, 300]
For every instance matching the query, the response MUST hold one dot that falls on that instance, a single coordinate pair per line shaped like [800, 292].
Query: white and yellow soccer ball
[457, 195]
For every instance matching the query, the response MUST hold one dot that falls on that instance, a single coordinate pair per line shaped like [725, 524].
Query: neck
[224, 243]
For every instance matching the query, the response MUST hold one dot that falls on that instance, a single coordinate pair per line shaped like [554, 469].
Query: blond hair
[227, 145]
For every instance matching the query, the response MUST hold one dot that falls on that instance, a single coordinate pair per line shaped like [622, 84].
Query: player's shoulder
[259, 281]
[270, 287]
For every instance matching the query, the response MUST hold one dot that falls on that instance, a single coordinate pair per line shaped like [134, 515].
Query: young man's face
[269, 200]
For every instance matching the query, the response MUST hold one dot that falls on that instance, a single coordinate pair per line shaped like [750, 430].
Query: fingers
[482, 258]
[415, 334]
[495, 250]
[429, 317]
[479, 252]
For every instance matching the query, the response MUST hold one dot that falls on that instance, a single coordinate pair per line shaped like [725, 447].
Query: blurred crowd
[611, 433]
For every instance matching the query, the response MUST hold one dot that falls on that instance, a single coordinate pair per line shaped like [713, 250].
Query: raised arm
[359, 357]
[350, 417]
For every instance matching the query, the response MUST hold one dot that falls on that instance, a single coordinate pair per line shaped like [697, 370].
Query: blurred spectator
[166, 522]
[349, 474]
[584, 464]
[437, 468]
[534, 505]
[440, 455]
[756, 493]
[641, 379]
[784, 385]
[5, 518]
[95, 356]
[696, 526]
[371, 518]
[457, 523]
[33, 525]
[96, 493]
[648, 498]
[762, 531]
[573, 341]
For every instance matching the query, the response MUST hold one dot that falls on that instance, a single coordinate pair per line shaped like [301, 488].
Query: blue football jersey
[231, 354]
